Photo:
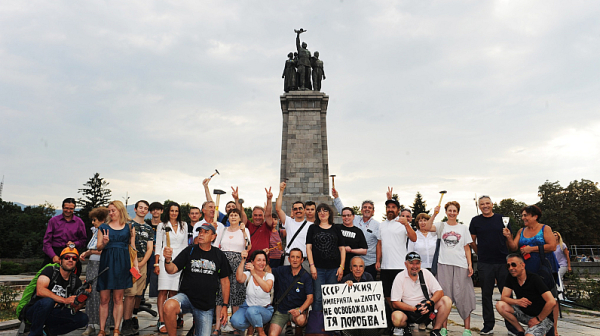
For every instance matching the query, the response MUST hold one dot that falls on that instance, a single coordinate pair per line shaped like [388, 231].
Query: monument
[304, 157]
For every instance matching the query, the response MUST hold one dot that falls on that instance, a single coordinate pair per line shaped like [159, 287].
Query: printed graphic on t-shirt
[326, 244]
[451, 238]
[203, 266]
[348, 234]
[60, 291]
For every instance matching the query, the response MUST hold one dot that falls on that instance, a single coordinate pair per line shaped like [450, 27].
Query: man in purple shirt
[63, 230]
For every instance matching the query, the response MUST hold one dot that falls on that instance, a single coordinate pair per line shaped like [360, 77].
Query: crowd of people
[269, 269]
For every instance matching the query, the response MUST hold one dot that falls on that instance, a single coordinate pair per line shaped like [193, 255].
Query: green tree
[574, 210]
[357, 210]
[509, 207]
[23, 229]
[95, 194]
[419, 206]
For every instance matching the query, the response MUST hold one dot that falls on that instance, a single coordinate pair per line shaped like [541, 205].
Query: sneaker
[444, 332]
[407, 331]
[127, 328]
[467, 332]
[486, 331]
[90, 330]
[435, 333]
[136, 323]
[422, 326]
[398, 332]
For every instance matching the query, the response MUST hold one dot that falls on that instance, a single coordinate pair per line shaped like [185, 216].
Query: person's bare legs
[218, 323]
[118, 308]
[443, 306]
[555, 316]
[160, 302]
[468, 322]
[104, 300]
[506, 311]
[128, 307]
[399, 319]
[171, 310]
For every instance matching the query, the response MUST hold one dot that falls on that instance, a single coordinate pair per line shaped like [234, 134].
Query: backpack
[29, 291]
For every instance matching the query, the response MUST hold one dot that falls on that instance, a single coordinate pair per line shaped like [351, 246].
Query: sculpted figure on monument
[303, 62]
[318, 72]
[289, 74]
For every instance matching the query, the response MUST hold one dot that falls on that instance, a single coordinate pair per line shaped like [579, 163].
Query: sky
[472, 97]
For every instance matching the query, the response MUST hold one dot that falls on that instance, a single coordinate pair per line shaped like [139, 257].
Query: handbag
[135, 275]
[436, 254]
[290, 243]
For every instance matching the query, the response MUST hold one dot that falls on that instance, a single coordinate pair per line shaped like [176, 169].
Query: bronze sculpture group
[301, 67]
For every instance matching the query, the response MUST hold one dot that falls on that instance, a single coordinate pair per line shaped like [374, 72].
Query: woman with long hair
[256, 309]
[454, 264]
[326, 252]
[114, 239]
[562, 257]
[233, 240]
[168, 284]
[529, 239]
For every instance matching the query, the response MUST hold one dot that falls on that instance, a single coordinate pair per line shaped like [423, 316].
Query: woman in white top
[425, 244]
[454, 262]
[232, 240]
[562, 256]
[257, 309]
[168, 284]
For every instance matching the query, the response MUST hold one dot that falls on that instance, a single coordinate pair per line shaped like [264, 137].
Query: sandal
[161, 326]
[101, 333]
[116, 332]
[216, 333]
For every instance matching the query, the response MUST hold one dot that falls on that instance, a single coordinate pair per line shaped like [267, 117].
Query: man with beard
[391, 246]
[370, 228]
[54, 291]
[417, 294]
[296, 228]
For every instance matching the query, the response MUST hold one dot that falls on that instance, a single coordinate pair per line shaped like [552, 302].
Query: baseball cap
[393, 201]
[207, 226]
[413, 256]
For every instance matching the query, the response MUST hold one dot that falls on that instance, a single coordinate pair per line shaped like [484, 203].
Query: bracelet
[311, 264]
[167, 262]
[156, 265]
[538, 319]
[342, 267]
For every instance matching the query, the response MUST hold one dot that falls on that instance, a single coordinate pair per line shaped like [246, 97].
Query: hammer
[442, 196]
[167, 230]
[218, 192]
[332, 181]
[215, 173]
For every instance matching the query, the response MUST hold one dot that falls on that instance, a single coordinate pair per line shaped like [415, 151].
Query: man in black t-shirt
[354, 238]
[54, 291]
[534, 302]
[491, 247]
[204, 268]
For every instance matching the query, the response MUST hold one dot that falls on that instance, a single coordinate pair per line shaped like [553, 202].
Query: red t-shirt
[259, 236]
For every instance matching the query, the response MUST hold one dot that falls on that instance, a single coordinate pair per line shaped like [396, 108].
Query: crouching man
[50, 307]
[534, 302]
[204, 267]
[419, 298]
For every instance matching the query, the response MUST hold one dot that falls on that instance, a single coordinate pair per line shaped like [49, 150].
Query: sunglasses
[70, 258]
[323, 210]
[297, 209]
[509, 265]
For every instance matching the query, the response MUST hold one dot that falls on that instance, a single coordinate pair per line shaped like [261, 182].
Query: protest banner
[358, 307]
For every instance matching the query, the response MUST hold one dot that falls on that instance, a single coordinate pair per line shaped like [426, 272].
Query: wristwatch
[167, 262]
[300, 310]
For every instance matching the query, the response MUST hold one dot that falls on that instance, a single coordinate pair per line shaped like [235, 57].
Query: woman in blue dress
[114, 239]
[529, 239]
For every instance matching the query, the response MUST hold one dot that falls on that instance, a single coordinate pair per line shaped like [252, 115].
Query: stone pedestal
[304, 158]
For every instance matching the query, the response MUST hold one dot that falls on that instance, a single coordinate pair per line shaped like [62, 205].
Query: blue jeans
[325, 276]
[255, 316]
[202, 318]
[58, 321]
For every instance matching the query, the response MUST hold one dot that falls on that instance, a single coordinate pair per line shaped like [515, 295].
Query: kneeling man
[419, 297]
[534, 302]
[49, 309]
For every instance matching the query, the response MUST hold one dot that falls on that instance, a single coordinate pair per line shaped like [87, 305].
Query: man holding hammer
[204, 268]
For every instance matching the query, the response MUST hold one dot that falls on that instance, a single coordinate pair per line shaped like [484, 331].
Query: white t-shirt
[393, 237]
[452, 247]
[220, 228]
[291, 226]
[408, 291]
[256, 296]
[232, 241]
